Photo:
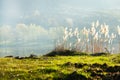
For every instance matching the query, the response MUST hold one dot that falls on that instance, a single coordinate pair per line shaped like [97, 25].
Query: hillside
[61, 68]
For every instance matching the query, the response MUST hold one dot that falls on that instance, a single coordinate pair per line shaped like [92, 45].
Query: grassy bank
[61, 68]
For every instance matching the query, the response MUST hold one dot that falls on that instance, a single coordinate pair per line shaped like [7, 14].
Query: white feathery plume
[105, 40]
[109, 41]
[76, 32]
[93, 30]
[96, 36]
[65, 38]
[118, 29]
[113, 36]
[106, 30]
[101, 29]
[93, 24]
[70, 32]
[88, 40]
[65, 31]
[97, 24]
[78, 40]
[85, 31]
[65, 34]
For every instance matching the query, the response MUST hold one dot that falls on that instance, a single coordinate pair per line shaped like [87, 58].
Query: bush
[100, 54]
[65, 53]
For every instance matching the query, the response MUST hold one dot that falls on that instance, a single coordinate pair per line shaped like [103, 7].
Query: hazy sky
[38, 22]
[13, 11]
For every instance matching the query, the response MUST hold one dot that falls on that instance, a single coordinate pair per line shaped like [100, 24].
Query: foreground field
[61, 68]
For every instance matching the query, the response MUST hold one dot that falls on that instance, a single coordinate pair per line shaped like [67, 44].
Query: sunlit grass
[50, 67]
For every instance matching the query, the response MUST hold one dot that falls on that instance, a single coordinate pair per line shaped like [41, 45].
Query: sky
[39, 22]
[14, 11]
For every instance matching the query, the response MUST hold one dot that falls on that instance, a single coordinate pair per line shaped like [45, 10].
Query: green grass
[59, 68]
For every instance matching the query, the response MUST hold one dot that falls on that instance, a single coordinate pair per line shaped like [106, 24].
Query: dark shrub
[10, 56]
[101, 66]
[32, 56]
[100, 54]
[79, 65]
[17, 57]
[75, 76]
[65, 53]
[61, 53]
[96, 65]
[113, 69]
